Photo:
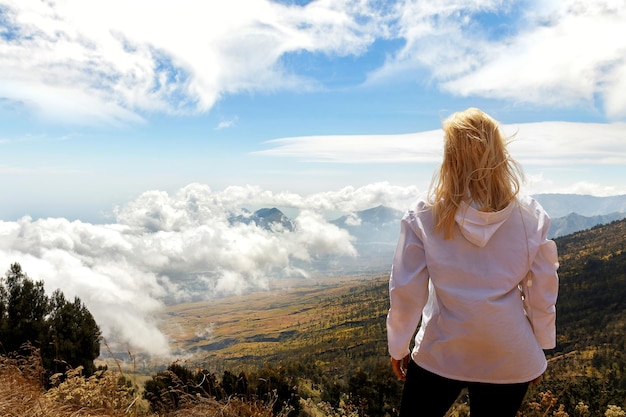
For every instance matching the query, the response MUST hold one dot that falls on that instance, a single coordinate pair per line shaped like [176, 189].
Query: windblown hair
[476, 168]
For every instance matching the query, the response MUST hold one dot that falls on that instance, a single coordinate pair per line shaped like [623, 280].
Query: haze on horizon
[129, 134]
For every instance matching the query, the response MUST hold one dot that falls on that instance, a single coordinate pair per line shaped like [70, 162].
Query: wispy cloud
[573, 144]
[545, 143]
[418, 147]
[224, 124]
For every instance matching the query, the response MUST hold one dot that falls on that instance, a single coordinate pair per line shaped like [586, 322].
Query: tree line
[64, 331]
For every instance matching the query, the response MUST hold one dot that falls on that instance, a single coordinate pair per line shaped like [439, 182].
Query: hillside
[307, 315]
[339, 324]
[592, 301]
[322, 343]
[574, 222]
[314, 321]
[331, 316]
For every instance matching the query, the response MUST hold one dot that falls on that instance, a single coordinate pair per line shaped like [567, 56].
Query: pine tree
[65, 332]
[24, 307]
[74, 334]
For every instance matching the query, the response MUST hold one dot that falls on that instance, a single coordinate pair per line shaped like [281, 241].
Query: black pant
[429, 395]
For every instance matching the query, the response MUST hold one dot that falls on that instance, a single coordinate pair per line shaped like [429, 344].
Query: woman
[474, 264]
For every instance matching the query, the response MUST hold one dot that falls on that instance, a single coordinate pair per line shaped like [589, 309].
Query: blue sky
[130, 131]
[101, 102]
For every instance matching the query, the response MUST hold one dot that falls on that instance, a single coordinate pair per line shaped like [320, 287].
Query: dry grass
[22, 392]
[105, 394]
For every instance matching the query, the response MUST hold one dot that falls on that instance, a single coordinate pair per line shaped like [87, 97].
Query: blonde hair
[476, 168]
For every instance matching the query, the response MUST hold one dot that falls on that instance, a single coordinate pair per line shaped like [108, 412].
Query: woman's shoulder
[419, 206]
[531, 205]
[419, 212]
[534, 215]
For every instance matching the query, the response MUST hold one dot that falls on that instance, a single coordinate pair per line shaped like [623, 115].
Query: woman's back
[475, 320]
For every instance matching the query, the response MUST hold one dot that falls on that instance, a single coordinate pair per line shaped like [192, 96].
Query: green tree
[24, 309]
[74, 334]
[65, 332]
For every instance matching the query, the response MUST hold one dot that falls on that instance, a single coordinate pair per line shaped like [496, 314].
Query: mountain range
[376, 229]
[560, 205]
[570, 213]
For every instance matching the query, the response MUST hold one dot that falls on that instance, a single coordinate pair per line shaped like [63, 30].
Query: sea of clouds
[165, 249]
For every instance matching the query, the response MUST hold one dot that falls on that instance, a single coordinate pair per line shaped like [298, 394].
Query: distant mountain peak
[379, 215]
[266, 218]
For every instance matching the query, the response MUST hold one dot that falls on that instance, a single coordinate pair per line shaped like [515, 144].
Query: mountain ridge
[375, 230]
[560, 205]
[569, 212]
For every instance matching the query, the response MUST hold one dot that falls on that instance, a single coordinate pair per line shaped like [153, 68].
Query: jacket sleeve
[541, 292]
[408, 290]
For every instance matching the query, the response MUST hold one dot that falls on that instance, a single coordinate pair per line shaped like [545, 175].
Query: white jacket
[475, 326]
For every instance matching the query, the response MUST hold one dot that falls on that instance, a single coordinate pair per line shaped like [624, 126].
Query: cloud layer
[171, 248]
[111, 62]
[543, 144]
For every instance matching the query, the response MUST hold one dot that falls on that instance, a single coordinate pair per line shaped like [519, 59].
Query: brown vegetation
[104, 394]
[328, 320]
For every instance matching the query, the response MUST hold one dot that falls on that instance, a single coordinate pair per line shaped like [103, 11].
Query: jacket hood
[479, 226]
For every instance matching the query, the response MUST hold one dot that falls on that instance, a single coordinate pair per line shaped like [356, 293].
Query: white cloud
[91, 62]
[224, 124]
[556, 52]
[168, 248]
[107, 62]
[538, 184]
[416, 147]
[564, 143]
[565, 63]
[590, 188]
[545, 143]
[556, 156]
